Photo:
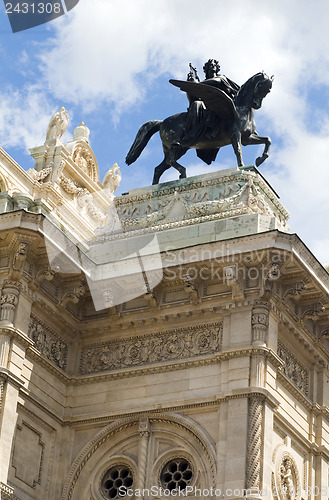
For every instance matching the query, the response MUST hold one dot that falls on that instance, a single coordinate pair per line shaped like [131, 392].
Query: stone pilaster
[144, 432]
[259, 323]
[9, 301]
[255, 442]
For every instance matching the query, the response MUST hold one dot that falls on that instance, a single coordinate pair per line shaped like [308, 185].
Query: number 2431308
[33, 8]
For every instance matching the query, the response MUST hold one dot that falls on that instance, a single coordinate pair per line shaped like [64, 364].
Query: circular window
[176, 474]
[119, 475]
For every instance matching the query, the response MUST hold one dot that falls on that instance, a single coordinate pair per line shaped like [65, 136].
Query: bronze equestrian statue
[220, 113]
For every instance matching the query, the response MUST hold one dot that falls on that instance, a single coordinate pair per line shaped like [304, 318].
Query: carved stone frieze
[293, 369]
[165, 346]
[48, 343]
[237, 194]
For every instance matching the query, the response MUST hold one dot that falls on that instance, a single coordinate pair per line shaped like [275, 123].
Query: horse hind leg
[181, 170]
[158, 171]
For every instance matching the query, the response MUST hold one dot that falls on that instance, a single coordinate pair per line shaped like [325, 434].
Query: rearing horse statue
[222, 121]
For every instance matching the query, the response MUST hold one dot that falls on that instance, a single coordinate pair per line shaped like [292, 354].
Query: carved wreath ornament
[286, 484]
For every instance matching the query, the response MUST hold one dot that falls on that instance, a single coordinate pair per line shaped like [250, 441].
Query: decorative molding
[293, 369]
[28, 460]
[6, 492]
[158, 348]
[48, 343]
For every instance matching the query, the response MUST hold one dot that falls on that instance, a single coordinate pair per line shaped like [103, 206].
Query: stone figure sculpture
[219, 117]
[57, 125]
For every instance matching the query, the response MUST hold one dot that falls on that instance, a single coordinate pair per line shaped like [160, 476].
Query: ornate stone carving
[71, 187]
[83, 157]
[42, 174]
[254, 460]
[286, 481]
[48, 343]
[165, 346]
[259, 322]
[293, 369]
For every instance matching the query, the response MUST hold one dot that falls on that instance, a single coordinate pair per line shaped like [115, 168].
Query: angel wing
[214, 98]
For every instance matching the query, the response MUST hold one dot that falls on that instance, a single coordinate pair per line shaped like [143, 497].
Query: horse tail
[142, 138]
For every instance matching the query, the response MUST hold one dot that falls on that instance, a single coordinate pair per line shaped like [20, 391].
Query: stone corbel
[19, 260]
[270, 275]
[73, 295]
[295, 290]
[152, 300]
[234, 281]
[312, 311]
[191, 289]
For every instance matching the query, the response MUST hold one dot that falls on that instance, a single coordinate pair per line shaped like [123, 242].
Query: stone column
[144, 432]
[255, 445]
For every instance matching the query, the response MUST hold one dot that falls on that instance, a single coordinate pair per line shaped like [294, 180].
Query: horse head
[253, 91]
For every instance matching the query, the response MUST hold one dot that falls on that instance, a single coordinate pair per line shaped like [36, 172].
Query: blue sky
[109, 61]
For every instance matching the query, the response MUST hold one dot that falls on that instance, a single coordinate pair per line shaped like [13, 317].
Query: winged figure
[221, 119]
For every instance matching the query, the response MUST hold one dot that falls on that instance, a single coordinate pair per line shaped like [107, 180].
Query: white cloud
[24, 117]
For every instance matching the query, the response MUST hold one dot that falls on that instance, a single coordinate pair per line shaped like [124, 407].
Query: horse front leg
[236, 143]
[258, 139]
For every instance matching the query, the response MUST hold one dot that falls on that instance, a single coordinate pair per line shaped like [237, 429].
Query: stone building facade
[173, 339]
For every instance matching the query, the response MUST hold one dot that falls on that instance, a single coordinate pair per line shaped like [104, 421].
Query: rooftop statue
[220, 113]
[57, 125]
